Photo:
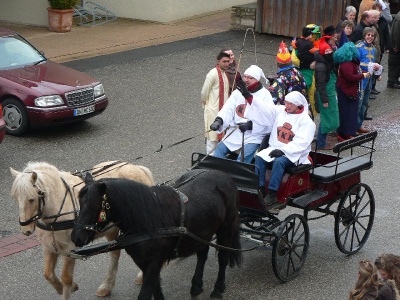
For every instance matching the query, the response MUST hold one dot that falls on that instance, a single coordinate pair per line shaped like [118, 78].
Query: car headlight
[98, 90]
[47, 101]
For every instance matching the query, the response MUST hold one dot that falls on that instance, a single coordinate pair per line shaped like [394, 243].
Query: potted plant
[60, 15]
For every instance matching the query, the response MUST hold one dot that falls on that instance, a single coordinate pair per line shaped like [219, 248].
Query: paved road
[154, 100]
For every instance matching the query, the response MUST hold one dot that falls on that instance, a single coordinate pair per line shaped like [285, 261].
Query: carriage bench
[348, 165]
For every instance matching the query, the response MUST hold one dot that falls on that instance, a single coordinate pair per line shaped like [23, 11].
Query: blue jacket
[367, 54]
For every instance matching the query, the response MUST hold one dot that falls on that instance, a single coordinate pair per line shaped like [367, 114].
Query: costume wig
[347, 52]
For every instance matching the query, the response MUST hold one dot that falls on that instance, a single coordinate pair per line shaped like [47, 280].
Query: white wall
[34, 12]
[166, 10]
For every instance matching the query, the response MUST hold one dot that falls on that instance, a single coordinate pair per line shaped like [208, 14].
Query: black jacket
[323, 69]
[303, 53]
[357, 34]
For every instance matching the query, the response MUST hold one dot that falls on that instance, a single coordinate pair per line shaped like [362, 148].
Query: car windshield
[15, 52]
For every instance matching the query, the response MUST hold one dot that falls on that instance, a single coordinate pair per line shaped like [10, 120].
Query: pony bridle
[39, 214]
[102, 220]
[42, 202]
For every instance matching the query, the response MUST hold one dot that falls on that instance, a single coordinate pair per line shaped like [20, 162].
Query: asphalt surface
[154, 97]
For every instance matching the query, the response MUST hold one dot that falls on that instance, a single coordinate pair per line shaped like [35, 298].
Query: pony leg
[67, 274]
[50, 261]
[151, 283]
[108, 282]
[139, 276]
[219, 286]
[197, 279]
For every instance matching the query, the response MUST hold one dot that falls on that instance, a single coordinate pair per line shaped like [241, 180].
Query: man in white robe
[252, 132]
[214, 94]
[289, 144]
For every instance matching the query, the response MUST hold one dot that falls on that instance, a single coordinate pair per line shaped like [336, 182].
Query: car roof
[6, 32]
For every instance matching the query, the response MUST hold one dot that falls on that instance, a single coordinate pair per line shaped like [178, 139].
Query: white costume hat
[298, 99]
[255, 72]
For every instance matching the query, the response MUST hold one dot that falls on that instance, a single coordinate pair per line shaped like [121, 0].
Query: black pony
[211, 207]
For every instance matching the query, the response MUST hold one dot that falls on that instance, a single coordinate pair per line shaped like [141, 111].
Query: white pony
[48, 199]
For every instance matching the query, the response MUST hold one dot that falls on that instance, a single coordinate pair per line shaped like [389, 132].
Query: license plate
[83, 110]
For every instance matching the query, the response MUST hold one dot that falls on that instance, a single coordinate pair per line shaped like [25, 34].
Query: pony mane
[142, 208]
[23, 185]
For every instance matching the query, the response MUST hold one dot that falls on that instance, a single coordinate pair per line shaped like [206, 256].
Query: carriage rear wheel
[354, 218]
[289, 250]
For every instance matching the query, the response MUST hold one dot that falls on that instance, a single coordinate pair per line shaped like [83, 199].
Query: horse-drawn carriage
[330, 186]
[179, 221]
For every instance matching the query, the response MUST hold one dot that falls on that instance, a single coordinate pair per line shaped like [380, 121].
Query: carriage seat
[360, 158]
[294, 169]
[341, 168]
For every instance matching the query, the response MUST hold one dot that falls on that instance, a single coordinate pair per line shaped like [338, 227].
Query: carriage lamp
[98, 90]
[46, 101]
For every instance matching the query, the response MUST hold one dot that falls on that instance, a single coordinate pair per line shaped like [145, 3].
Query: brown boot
[270, 202]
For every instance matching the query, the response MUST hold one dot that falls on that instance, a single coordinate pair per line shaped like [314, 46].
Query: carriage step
[306, 199]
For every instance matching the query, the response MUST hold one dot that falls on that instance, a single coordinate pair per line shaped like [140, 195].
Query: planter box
[60, 20]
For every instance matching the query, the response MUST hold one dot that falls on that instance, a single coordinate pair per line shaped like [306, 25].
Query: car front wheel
[15, 116]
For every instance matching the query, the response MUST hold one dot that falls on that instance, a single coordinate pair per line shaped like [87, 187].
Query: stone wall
[243, 16]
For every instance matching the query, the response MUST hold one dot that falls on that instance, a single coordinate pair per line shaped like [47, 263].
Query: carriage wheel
[354, 218]
[289, 250]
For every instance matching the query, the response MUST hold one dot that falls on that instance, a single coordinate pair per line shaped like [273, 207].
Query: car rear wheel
[15, 116]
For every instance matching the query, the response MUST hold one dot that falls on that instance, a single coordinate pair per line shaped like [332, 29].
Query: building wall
[34, 12]
[166, 10]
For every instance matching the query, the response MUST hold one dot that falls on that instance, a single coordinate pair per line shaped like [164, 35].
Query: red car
[2, 126]
[37, 92]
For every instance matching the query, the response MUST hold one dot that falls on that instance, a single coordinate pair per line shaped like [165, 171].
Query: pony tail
[232, 235]
[235, 257]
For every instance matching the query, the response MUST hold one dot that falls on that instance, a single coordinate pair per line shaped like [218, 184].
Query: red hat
[323, 45]
[283, 55]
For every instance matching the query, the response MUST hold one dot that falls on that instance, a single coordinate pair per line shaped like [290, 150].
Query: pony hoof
[198, 297]
[74, 287]
[216, 295]
[103, 293]
[139, 278]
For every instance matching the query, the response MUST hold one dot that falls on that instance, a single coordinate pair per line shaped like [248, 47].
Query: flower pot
[60, 20]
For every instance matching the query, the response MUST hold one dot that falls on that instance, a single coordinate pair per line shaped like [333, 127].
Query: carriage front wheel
[289, 249]
[354, 218]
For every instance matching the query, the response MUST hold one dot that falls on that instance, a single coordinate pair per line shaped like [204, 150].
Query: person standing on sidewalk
[364, 6]
[366, 21]
[350, 15]
[348, 89]
[368, 285]
[288, 77]
[382, 27]
[325, 80]
[367, 53]
[394, 55]
[232, 72]
[214, 93]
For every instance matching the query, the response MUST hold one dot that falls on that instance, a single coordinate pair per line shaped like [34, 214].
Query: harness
[68, 224]
[124, 240]
[53, 226]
